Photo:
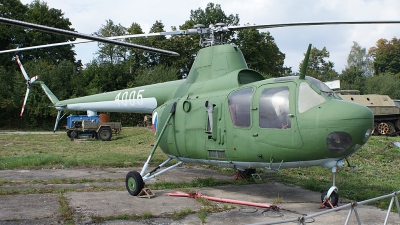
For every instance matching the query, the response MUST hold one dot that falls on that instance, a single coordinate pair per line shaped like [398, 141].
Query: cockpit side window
[239, 107]
[274, 108]
[308, 98]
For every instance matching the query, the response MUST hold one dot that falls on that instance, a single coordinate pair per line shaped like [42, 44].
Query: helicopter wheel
[134, 183]
[248, 172]
[334, 199]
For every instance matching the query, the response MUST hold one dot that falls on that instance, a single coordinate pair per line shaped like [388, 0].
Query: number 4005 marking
[129, 98]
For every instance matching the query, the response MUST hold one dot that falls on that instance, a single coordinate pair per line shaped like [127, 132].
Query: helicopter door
[238, 122]
[275, 115]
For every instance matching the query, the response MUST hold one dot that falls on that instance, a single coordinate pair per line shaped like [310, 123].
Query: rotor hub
[212, 35]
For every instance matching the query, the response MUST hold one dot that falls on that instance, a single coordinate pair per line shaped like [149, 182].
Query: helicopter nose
[350, 126]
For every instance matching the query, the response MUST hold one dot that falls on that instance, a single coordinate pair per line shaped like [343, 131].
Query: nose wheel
[330, 197]
[329, 201]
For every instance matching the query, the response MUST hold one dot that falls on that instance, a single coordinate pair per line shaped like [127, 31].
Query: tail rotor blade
[33, 79]
[23, 105]
[28, 83]
[22, 69]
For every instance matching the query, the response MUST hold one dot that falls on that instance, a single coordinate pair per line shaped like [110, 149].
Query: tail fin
[53, 100]
[49, 94]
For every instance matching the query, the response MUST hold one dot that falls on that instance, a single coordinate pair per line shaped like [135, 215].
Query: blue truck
[90, 126]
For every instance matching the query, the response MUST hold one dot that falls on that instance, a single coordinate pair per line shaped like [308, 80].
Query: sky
[87, 16]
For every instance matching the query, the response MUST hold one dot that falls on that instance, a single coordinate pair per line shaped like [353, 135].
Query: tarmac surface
[114, 205]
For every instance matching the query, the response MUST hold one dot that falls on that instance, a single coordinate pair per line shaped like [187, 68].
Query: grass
[207, 207]
[60, 181]
[65, 210]
[378, 162]
[36, 151]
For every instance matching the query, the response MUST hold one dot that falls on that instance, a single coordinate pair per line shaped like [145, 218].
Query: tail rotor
[29, 82]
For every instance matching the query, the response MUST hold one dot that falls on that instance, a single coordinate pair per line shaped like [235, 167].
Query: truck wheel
[383, 128]
[73, 135]
[392, 129]
[69, 133]
[104, 133]
[397, 124]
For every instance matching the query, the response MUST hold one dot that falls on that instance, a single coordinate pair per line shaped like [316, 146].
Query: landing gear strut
[134, 181]
[330, 198]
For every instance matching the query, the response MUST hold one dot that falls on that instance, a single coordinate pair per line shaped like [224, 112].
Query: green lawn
[34, 151]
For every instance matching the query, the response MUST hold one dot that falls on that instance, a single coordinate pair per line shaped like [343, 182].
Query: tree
[384, 84]
[9, 105]
[136, 57]
[212, 14]
[110, 52]
[37, 12]
[140, 58]
[11, 36]
[154, 59]
[319, 66]
[188, 46]
[386, 55]
[352, 78]
[157, 74]
[40, 13]
[261, 52]
[106, 76]
[359, 61]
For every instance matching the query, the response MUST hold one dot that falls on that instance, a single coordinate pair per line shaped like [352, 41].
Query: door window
[239, 107]
[274, 108]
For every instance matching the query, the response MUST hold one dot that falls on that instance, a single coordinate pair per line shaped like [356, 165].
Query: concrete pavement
[113, 206]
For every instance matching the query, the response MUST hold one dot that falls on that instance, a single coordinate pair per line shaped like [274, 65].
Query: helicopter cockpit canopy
[323, 88]
[311, 95]
[319, 85]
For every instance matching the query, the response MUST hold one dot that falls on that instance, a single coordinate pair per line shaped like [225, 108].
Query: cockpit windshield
[308, 97]
[322, 87]
[318, 84]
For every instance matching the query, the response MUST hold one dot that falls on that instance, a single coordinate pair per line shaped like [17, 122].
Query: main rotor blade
[181, 32]
[78, 42]
[309, 24]
[84, 36]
